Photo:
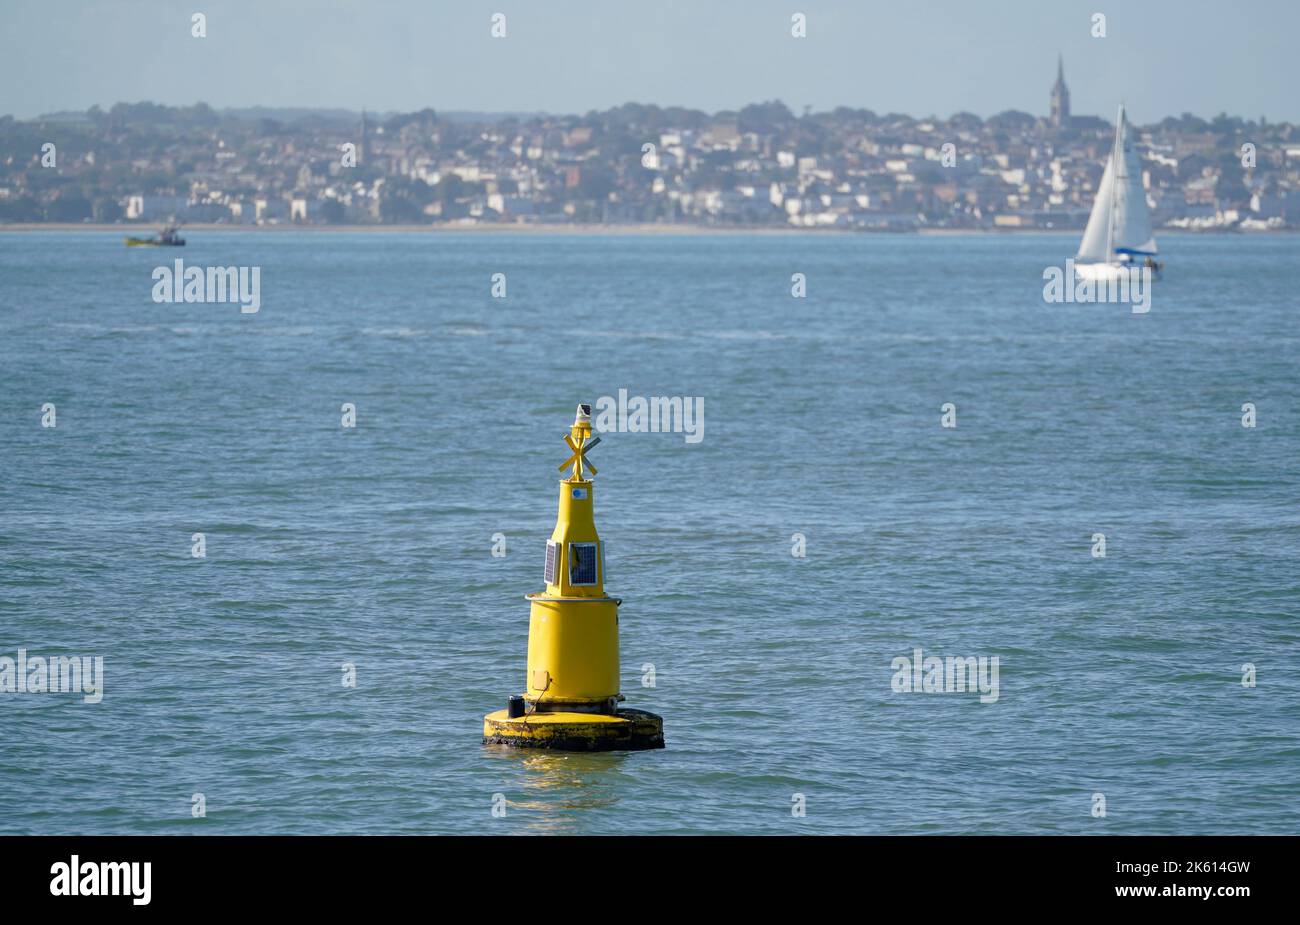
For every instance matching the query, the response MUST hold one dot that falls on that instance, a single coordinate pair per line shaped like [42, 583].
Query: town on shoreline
[632, 169]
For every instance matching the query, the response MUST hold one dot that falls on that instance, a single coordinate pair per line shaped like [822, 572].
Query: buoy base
[626, 730]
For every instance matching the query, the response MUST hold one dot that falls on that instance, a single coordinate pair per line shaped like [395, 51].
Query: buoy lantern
[571, 701]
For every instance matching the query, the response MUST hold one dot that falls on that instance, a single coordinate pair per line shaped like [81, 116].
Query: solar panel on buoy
[582, 563]
[551, 555]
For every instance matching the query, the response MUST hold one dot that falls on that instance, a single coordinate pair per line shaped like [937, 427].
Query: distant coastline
[541, 228]
[635, 169]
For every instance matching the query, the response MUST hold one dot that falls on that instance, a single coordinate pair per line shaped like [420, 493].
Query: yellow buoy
[571, 693]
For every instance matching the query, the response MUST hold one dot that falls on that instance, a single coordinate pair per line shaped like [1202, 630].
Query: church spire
[1060, 96]
[365, 138]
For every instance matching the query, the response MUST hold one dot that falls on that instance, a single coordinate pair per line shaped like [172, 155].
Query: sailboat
[1118, 240]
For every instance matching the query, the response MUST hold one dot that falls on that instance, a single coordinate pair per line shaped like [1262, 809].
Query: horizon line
[541, 113]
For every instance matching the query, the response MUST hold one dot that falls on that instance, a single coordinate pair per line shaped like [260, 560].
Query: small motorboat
[168, 237]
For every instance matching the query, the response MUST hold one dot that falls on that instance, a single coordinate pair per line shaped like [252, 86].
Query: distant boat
[1118, 240]
[168, 237]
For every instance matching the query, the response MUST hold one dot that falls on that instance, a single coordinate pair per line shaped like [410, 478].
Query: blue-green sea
[1120, 676]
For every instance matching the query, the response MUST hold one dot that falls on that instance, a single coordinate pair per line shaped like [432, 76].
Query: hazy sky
[922, 57]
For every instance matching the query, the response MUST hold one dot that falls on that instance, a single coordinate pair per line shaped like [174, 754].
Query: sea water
[773, 573]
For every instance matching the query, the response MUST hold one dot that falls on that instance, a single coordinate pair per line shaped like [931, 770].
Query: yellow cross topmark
[579, 457]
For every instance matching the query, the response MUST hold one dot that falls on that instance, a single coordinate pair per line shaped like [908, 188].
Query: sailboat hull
[1105, 272]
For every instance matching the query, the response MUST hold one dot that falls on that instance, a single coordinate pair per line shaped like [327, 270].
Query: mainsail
[1120, 222]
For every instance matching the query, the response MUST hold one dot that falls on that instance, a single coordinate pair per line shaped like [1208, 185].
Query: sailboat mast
[1116, 156]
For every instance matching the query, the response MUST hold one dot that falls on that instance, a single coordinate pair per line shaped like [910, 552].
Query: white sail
[1120, 221]
[1093, 247]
